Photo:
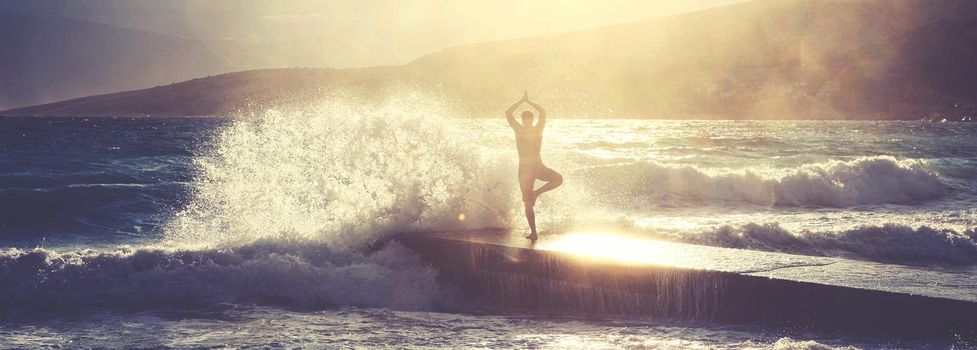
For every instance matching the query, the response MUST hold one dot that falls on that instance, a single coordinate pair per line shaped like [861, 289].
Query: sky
[359, 33]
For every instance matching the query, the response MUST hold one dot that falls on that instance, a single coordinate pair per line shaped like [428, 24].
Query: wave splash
[343, 175]
[866, 180]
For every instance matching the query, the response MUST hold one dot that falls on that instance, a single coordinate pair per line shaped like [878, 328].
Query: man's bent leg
[553, 180]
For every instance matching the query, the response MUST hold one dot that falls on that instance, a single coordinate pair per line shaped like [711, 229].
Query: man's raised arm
[542, 114]
[508, 115]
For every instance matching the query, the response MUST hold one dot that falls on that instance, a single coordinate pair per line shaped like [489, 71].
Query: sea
[258, 231]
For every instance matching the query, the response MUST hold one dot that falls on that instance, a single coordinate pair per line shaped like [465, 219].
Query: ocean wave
[284, 208]
[891, 243]
[282, 272]
[866, 180]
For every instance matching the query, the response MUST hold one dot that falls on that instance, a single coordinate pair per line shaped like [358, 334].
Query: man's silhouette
[529, 140]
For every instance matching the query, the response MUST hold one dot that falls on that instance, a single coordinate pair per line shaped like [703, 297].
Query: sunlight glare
[605, 246]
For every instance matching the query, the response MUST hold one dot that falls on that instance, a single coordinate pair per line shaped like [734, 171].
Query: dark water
[102, 181]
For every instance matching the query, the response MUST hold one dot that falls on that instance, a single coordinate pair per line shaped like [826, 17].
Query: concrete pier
[501, 272]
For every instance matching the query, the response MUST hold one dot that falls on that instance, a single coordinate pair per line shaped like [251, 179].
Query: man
[529, 140]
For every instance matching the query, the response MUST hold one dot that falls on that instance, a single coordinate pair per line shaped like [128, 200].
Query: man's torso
[529, 141]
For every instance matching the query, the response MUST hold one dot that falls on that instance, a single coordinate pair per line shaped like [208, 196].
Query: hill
[50, 59]
[872, 59]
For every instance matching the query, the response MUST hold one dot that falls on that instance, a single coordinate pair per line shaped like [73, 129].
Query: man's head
[527, 117]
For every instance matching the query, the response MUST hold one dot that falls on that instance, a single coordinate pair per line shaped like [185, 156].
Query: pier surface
[593, 273]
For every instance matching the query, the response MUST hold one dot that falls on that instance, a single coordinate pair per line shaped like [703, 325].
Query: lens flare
[620, 249]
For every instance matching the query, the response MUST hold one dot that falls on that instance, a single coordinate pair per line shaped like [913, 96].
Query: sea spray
[343, 175]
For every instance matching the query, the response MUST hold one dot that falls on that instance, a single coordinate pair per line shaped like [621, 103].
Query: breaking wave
[893, 243]
[866, 180]
[296, 274]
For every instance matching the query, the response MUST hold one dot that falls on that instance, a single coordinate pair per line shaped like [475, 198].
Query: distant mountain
[50, 59]
[222, 95]
[871, 59]
[768, 59]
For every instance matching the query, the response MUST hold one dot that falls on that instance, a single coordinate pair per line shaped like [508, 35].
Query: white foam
[787, 343]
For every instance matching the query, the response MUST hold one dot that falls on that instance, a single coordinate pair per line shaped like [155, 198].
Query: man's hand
[508, 113]
[542, 113]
